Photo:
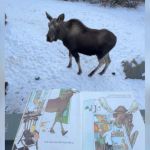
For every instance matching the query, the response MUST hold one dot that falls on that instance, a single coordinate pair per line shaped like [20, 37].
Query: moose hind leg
[70, 60]
[62, 128]
[107, 62]
[101, 62]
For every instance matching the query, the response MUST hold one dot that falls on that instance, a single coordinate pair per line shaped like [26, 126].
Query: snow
[28, 55]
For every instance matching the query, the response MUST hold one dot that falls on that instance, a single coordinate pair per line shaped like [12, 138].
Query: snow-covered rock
[134, 69]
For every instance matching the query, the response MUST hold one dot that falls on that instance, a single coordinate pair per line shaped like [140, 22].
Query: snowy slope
[29, 55]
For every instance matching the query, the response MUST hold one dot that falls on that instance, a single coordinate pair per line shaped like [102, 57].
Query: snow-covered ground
[28, 55]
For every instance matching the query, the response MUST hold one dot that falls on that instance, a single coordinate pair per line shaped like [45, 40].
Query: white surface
[29, 55]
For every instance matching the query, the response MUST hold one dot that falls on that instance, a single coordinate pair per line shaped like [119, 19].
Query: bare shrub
[115, 3]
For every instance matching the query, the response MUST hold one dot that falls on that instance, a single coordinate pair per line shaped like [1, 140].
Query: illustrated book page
[50, 120]
[111, 121]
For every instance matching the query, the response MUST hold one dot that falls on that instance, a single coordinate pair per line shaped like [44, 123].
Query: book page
[50, 120]
[111, 121]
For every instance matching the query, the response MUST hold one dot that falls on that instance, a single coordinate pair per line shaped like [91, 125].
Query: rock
[113, 73]
[134, 70]
[37, 78]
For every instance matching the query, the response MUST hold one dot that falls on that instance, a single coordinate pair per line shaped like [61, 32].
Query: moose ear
[61, 18]
[48, 16]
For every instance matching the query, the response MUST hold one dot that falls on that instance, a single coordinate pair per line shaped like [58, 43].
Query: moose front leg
[63, 132]
[77, 58]
[52, 128]
[70, 60]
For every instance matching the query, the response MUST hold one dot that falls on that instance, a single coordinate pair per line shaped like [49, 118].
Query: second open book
[67, 119]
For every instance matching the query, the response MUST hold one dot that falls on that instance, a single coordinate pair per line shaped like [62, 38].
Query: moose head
[122, 115]
[54, 26]
[68, 94]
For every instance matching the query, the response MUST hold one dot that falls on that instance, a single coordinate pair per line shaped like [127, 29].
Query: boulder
[133, 69]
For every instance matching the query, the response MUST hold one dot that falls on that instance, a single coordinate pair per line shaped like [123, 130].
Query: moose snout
[50, 38]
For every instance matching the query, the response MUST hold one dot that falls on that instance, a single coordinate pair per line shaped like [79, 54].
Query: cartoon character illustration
[124, 145]
[123, 117]
[59, 106]
[30, 135]
[38, 104]
[103, 133]
[108, 140]
[100, 141]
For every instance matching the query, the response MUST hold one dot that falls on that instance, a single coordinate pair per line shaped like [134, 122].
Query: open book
[67, 119]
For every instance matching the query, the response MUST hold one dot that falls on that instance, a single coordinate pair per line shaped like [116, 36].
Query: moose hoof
[101, 73]
[64, 133]
[69, 66]
[52, 131]
[90, 74]
[79, 72]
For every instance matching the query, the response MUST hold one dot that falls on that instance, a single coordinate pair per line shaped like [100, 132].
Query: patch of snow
[139, 59]
[133, 65]
[143, 74]
[28, 55]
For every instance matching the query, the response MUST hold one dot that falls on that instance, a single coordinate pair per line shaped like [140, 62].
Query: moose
[59, 105]
[124, 117]
[78, 38]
